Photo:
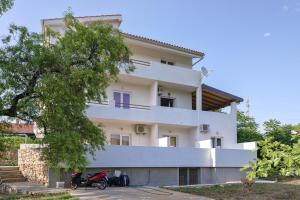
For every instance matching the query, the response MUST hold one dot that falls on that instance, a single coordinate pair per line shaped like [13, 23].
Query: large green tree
[51, 82]
[281, 133]
[5, 5]
[247, 128]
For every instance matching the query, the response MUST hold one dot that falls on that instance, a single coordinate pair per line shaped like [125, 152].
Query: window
[172, 140]
[167, 62]
[167, 102]
[216, 142]
[122, 99]
[116, 139]
[125, 140]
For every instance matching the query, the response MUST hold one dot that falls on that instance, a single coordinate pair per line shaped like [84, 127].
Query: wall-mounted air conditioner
[141, 129]
[204, 128]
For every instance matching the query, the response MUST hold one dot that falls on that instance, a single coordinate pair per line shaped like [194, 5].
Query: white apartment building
[160, 121]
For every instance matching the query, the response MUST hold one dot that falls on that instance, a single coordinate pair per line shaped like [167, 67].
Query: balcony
[143, 114]
[139, 156]
[165, 73]
[161, 115]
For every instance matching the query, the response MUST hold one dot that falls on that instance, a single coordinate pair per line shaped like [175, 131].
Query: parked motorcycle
[98, 180]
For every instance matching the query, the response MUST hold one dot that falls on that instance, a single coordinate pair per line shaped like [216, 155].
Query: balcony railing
[121, 105]
[167, 73]
[142, 156]
[158, 114]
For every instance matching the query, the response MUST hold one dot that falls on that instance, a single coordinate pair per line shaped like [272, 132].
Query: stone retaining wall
[33, 168]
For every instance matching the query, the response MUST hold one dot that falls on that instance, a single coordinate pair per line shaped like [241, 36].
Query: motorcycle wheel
[74, 186]
[101, 185]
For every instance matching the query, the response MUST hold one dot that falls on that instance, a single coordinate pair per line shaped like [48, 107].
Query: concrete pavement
[132, 193]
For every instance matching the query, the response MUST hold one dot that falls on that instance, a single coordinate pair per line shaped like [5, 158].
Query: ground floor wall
[213, 175]
[161, 176]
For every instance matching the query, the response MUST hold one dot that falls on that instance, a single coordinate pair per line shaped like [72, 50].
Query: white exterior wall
[126, 129]
[150, 55]
[138, 156]
[221, 125]
[139, 94]
[194, 148]
[183, 99]
[147, 95]
[183, 135]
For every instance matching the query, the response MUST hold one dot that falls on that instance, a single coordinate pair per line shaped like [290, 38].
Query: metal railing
[140, 62]
[122, 105]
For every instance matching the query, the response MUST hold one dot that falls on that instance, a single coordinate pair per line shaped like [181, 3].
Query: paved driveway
[132, 193]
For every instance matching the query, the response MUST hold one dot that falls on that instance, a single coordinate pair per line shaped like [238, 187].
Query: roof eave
[190, 52]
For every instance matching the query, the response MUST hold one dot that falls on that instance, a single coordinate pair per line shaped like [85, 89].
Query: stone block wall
[33, 168]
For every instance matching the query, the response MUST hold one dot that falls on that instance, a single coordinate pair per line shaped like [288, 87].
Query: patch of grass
[61, 196]
[238, 192]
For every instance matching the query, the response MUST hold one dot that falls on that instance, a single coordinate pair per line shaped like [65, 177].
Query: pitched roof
[20, 128]
[163, 44]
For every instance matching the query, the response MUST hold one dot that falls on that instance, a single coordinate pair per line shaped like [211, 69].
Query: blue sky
[253, 47]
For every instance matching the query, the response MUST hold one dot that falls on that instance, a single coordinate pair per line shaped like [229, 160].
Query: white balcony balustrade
[158, 114]
[139, 156]
[166, 73]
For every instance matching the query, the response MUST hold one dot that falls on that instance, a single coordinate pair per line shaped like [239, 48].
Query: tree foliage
[50, 83]
[5, 5]
[276, 159]
[279, 132]
[247, 128]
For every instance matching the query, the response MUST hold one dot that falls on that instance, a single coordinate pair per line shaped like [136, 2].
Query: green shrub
[13, 143]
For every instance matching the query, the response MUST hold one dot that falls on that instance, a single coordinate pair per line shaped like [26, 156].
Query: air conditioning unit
[141, 129]
[204, 128]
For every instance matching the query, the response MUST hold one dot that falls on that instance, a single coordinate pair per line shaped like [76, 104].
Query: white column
[199, 98]
[233, 110]
[153, 95]
[154, 135]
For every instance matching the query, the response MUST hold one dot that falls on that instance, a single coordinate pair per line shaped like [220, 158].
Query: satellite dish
[204, 71]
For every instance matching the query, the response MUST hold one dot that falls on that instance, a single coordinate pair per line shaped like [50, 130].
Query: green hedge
[13, 143]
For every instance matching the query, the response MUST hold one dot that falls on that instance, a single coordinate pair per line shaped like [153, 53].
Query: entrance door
[193, 176]
[183, 176]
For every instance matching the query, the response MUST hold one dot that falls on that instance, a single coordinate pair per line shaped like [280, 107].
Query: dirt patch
[270, 191]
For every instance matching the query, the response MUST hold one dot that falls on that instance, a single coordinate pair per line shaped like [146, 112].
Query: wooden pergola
[215, 99]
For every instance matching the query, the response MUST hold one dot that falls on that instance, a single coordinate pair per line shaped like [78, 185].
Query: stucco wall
[144, 176]
[220, 175]
[183, 99]
[139, 94]
[147, 54]
[126, 129]
[183, 135]
[221, 125]
[142, 94]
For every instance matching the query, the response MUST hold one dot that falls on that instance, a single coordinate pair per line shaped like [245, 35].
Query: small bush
[9, 147]
[13, 143]
[247, 183]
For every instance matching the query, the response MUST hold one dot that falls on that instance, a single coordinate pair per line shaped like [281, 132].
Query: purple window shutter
[117, 99]
[126, 100]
